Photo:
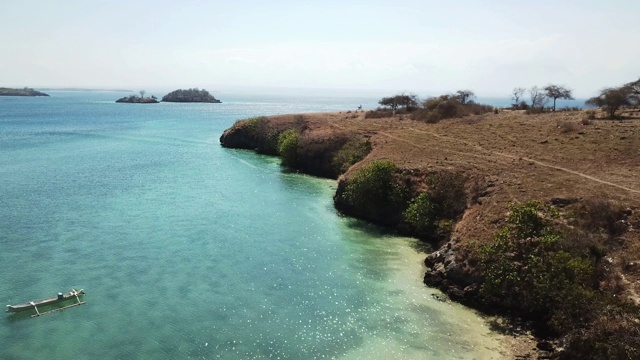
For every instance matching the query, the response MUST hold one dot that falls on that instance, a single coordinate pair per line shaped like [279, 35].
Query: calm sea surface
[189, 250]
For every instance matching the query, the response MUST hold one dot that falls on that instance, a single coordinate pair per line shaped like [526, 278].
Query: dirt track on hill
[520, 157]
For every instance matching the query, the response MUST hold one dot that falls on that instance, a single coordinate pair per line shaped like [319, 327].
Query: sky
[421, 47]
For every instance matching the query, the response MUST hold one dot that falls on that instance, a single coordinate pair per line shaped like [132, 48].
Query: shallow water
[189, 250]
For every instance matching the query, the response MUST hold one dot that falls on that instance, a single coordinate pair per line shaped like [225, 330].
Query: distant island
[21, 92]
[190, 95]
[133, 99]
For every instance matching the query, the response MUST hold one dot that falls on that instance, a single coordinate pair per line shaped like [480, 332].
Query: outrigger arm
[35, 307]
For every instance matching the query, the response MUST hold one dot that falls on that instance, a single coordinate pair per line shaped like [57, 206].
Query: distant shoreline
[84, 89]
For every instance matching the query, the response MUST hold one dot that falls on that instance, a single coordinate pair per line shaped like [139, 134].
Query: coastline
[503, 154]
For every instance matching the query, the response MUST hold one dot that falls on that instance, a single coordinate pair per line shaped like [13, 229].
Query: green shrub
[527, 268]
[288, 147]
[532, 268]
[264, 139]
[350, 153]
[448, 106]
[257, 125]
[421, 215]
[432, 214]
[375, 192]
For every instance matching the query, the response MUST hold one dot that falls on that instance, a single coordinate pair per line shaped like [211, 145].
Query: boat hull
[44, 302]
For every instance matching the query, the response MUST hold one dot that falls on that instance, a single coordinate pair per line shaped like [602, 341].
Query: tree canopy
[408, 102]
[612, 99]
[557, 92]
[465, 96]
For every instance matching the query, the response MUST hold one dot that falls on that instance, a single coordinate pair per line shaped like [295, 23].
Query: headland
[534, 216]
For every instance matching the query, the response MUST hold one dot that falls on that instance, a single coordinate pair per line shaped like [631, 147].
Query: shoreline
[509, 156]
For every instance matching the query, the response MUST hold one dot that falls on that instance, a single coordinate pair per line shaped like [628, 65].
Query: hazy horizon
[421, 47]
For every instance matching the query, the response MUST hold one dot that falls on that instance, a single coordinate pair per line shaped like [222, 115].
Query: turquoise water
[189, 250]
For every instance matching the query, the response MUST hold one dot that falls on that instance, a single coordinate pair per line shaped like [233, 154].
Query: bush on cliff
[352, 152]
[421, 215]
[288, 143]
[432, 214]
[321, 154]
[531, 268]
[527, 268]
[261, 136]
[375, 192]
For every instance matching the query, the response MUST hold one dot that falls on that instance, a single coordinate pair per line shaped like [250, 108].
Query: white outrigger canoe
[33, 305]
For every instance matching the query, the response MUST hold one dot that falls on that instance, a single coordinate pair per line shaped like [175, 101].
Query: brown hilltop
[518, 157]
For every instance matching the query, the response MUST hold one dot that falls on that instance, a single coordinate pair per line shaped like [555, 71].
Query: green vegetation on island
[190, 95]
[133, 99]
[21, 92]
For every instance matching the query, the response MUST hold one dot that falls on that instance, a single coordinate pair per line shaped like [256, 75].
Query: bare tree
[465, 95]
[557, 92]
[142, 92]
[538, 98]
[517, 95]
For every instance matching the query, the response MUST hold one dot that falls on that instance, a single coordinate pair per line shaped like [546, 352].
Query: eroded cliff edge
[568, 176]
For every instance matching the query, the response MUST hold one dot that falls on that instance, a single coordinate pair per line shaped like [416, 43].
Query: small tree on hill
[612, 99]
[142, 92]
[557, 92]
[465, 96]
[408, 102]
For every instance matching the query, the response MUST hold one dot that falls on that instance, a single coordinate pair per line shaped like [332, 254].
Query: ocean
[187, 250]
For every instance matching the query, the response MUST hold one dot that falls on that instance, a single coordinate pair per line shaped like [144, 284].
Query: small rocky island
[133, 99]
[21, 92]
[190, 95]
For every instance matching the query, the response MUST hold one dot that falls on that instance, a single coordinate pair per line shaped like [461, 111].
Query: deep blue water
[190, 250]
